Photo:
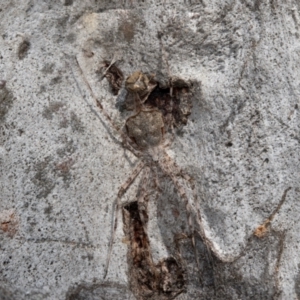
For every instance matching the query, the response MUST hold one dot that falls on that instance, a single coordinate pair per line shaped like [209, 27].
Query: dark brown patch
[174, 102]
[70, 38]
[164, 280]
[53, 108]
[63, 170]
[43, 178]
[48, 209]
[48, 68]
[114, 76]
[127, 28]
[66, 118]
[56, 80]
[68, 2]
[75, 123]
[2, 84]
[23, 49]
[174, 99]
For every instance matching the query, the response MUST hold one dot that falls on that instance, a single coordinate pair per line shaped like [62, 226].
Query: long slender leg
[191, 181]
[143, 195]
[147, 278]
[142, 201]
[117, 205]
[179, 187]
[145, 191]
[113, 61]
[170, 169]
[189, 210]
[98, 103]
[122, 135]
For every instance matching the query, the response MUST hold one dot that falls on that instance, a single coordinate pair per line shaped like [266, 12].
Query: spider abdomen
[146, 128]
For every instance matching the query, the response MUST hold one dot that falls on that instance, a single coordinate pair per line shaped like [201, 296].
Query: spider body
[146, 130]
[156, 111]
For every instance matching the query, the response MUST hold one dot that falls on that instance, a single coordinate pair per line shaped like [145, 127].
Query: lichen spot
[146, 128]
[262, 230]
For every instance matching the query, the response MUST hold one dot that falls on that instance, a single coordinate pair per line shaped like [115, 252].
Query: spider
[156, 111]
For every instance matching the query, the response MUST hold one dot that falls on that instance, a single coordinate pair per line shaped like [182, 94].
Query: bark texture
[228, 87]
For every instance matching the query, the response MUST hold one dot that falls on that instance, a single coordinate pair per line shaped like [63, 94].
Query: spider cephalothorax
[140, 84]
[156, 109]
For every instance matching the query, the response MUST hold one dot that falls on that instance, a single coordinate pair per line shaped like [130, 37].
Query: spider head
[137, 82]
[140, 84]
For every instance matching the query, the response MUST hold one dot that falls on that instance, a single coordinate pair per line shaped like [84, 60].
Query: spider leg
[124, 187]
[191, 181]
[142, 201]
[156, 181]
[125, 139]
[172, 170]
[143, 195]
[168, 142]
[188, 205]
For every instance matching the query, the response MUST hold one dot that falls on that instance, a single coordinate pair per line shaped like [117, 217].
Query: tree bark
[213, 210]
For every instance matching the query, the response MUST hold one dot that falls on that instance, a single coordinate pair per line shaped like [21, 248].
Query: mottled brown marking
[9, 222]
[127, 25]
[263, 229]
[65, 166]
[164, 280]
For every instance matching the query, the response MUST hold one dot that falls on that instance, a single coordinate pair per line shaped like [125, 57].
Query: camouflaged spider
[155, 112]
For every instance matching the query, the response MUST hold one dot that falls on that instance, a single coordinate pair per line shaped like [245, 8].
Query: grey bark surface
[61, 164]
